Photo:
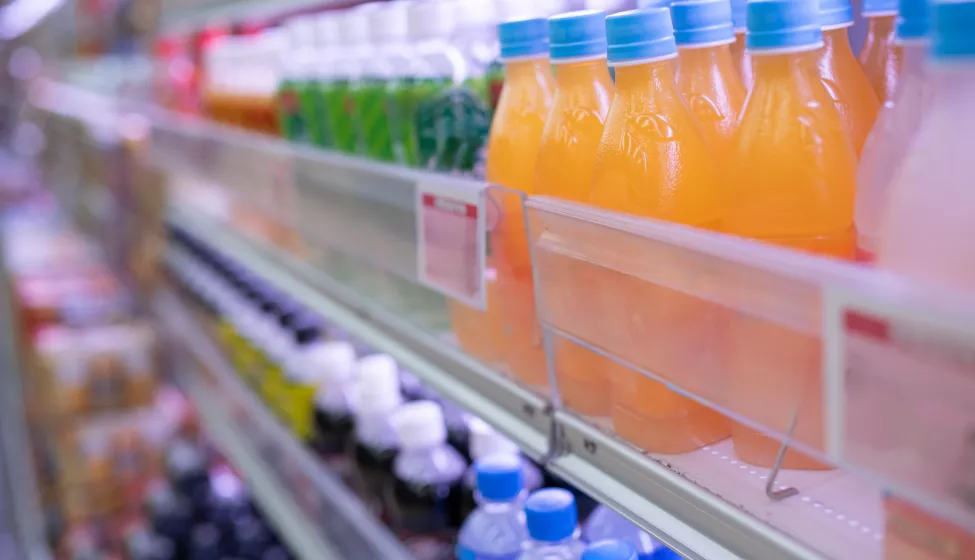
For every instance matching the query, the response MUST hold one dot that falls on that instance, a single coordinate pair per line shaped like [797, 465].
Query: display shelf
[313, 512]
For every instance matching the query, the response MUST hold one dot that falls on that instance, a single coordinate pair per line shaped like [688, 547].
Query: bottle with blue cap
[654, 161]
[485, 441]
[552, 526]
[927, 229]
[842, 74]
[739, 54]
[792, 184]
[564, 169]
[879, 56]
[707, 79]
[496, 529]
[899, 120]
[605, 524]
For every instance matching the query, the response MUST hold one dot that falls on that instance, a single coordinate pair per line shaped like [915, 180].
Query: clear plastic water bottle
[425, 509]
[486, 441]
[496, 529]
[606, 524]
[610, 550]
[552, 526]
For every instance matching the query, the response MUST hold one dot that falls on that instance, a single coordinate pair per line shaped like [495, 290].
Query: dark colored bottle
[205, 543]
[428, 487]
[333, 364]
[186, 467]
[251, 538]
[170, 515]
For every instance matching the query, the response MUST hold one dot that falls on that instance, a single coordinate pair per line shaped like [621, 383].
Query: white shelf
[313, 512]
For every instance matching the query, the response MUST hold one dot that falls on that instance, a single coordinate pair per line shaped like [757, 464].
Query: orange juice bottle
[792, 184]
[707, 78]
[842, 75]
[512, 147]
[566, 159]
[739, 54]
[654, 161]
[880, 55]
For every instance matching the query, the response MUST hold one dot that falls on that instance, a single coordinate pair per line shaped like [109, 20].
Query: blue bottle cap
[640, 35]
[499, 477]
[952, 29]
[879, 8]
[609, 550]
[782, 25]
[644, 4]
[739, 15]
[702, 22]
[912, 19]
[835, 13]
[579, 34]
[551, 514]
[523, 38]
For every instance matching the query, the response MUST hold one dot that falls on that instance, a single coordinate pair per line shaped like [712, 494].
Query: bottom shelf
[314, 513]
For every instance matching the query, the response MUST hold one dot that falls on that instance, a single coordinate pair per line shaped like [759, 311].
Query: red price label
[451, 240]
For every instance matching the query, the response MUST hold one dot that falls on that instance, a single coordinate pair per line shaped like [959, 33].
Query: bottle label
[452, 129]
[373, 120]
[289, 110]
[464, 553]
[340, 109]
[400, 104]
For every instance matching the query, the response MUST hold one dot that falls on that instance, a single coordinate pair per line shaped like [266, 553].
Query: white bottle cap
[377, 385]
[419, 425]
[333, 362]
[301, 31]
[475, 13]
[389, 23]
[431, 19]
[485, 440]
[329, 28]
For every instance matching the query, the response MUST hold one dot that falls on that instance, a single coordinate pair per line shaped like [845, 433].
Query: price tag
[899, 381]
[450, 225]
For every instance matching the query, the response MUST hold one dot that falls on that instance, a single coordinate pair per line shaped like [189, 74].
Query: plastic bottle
[329, 62]
[515, 133]
[431, 24]
[370, 92]
[428, 475]
[564, 169]
[486, 441]
[391, 33]
[477, 39]
[842, 75]
[339, 99]
[496, 529]
[334, 363]
[739, 54]
[552, 526]
[707, 78]
[793, 185]
[610, 550]
[302, 377]
[654, 161]
[278, 350]
[879, 55]
[296, 115]
[604, 523]
[898, 123]
[377, 398]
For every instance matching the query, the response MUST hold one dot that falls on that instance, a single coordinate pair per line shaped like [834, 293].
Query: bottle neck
[880, 26]
[525, 68]
[654, 75]
[570, 73]
[772, 64]
[704, 57]
[837, 41]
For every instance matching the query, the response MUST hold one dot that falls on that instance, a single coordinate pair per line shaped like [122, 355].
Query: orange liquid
[912, 534]
[848, 86]
[713, 92]
[742, 60]
[508, 330]
[880, 57]
[566, 160]
[793, 184]
[654, 161]
[480, 333]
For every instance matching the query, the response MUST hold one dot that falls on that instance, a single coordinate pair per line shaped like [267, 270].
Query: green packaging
[292, 122]
[340, 111]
